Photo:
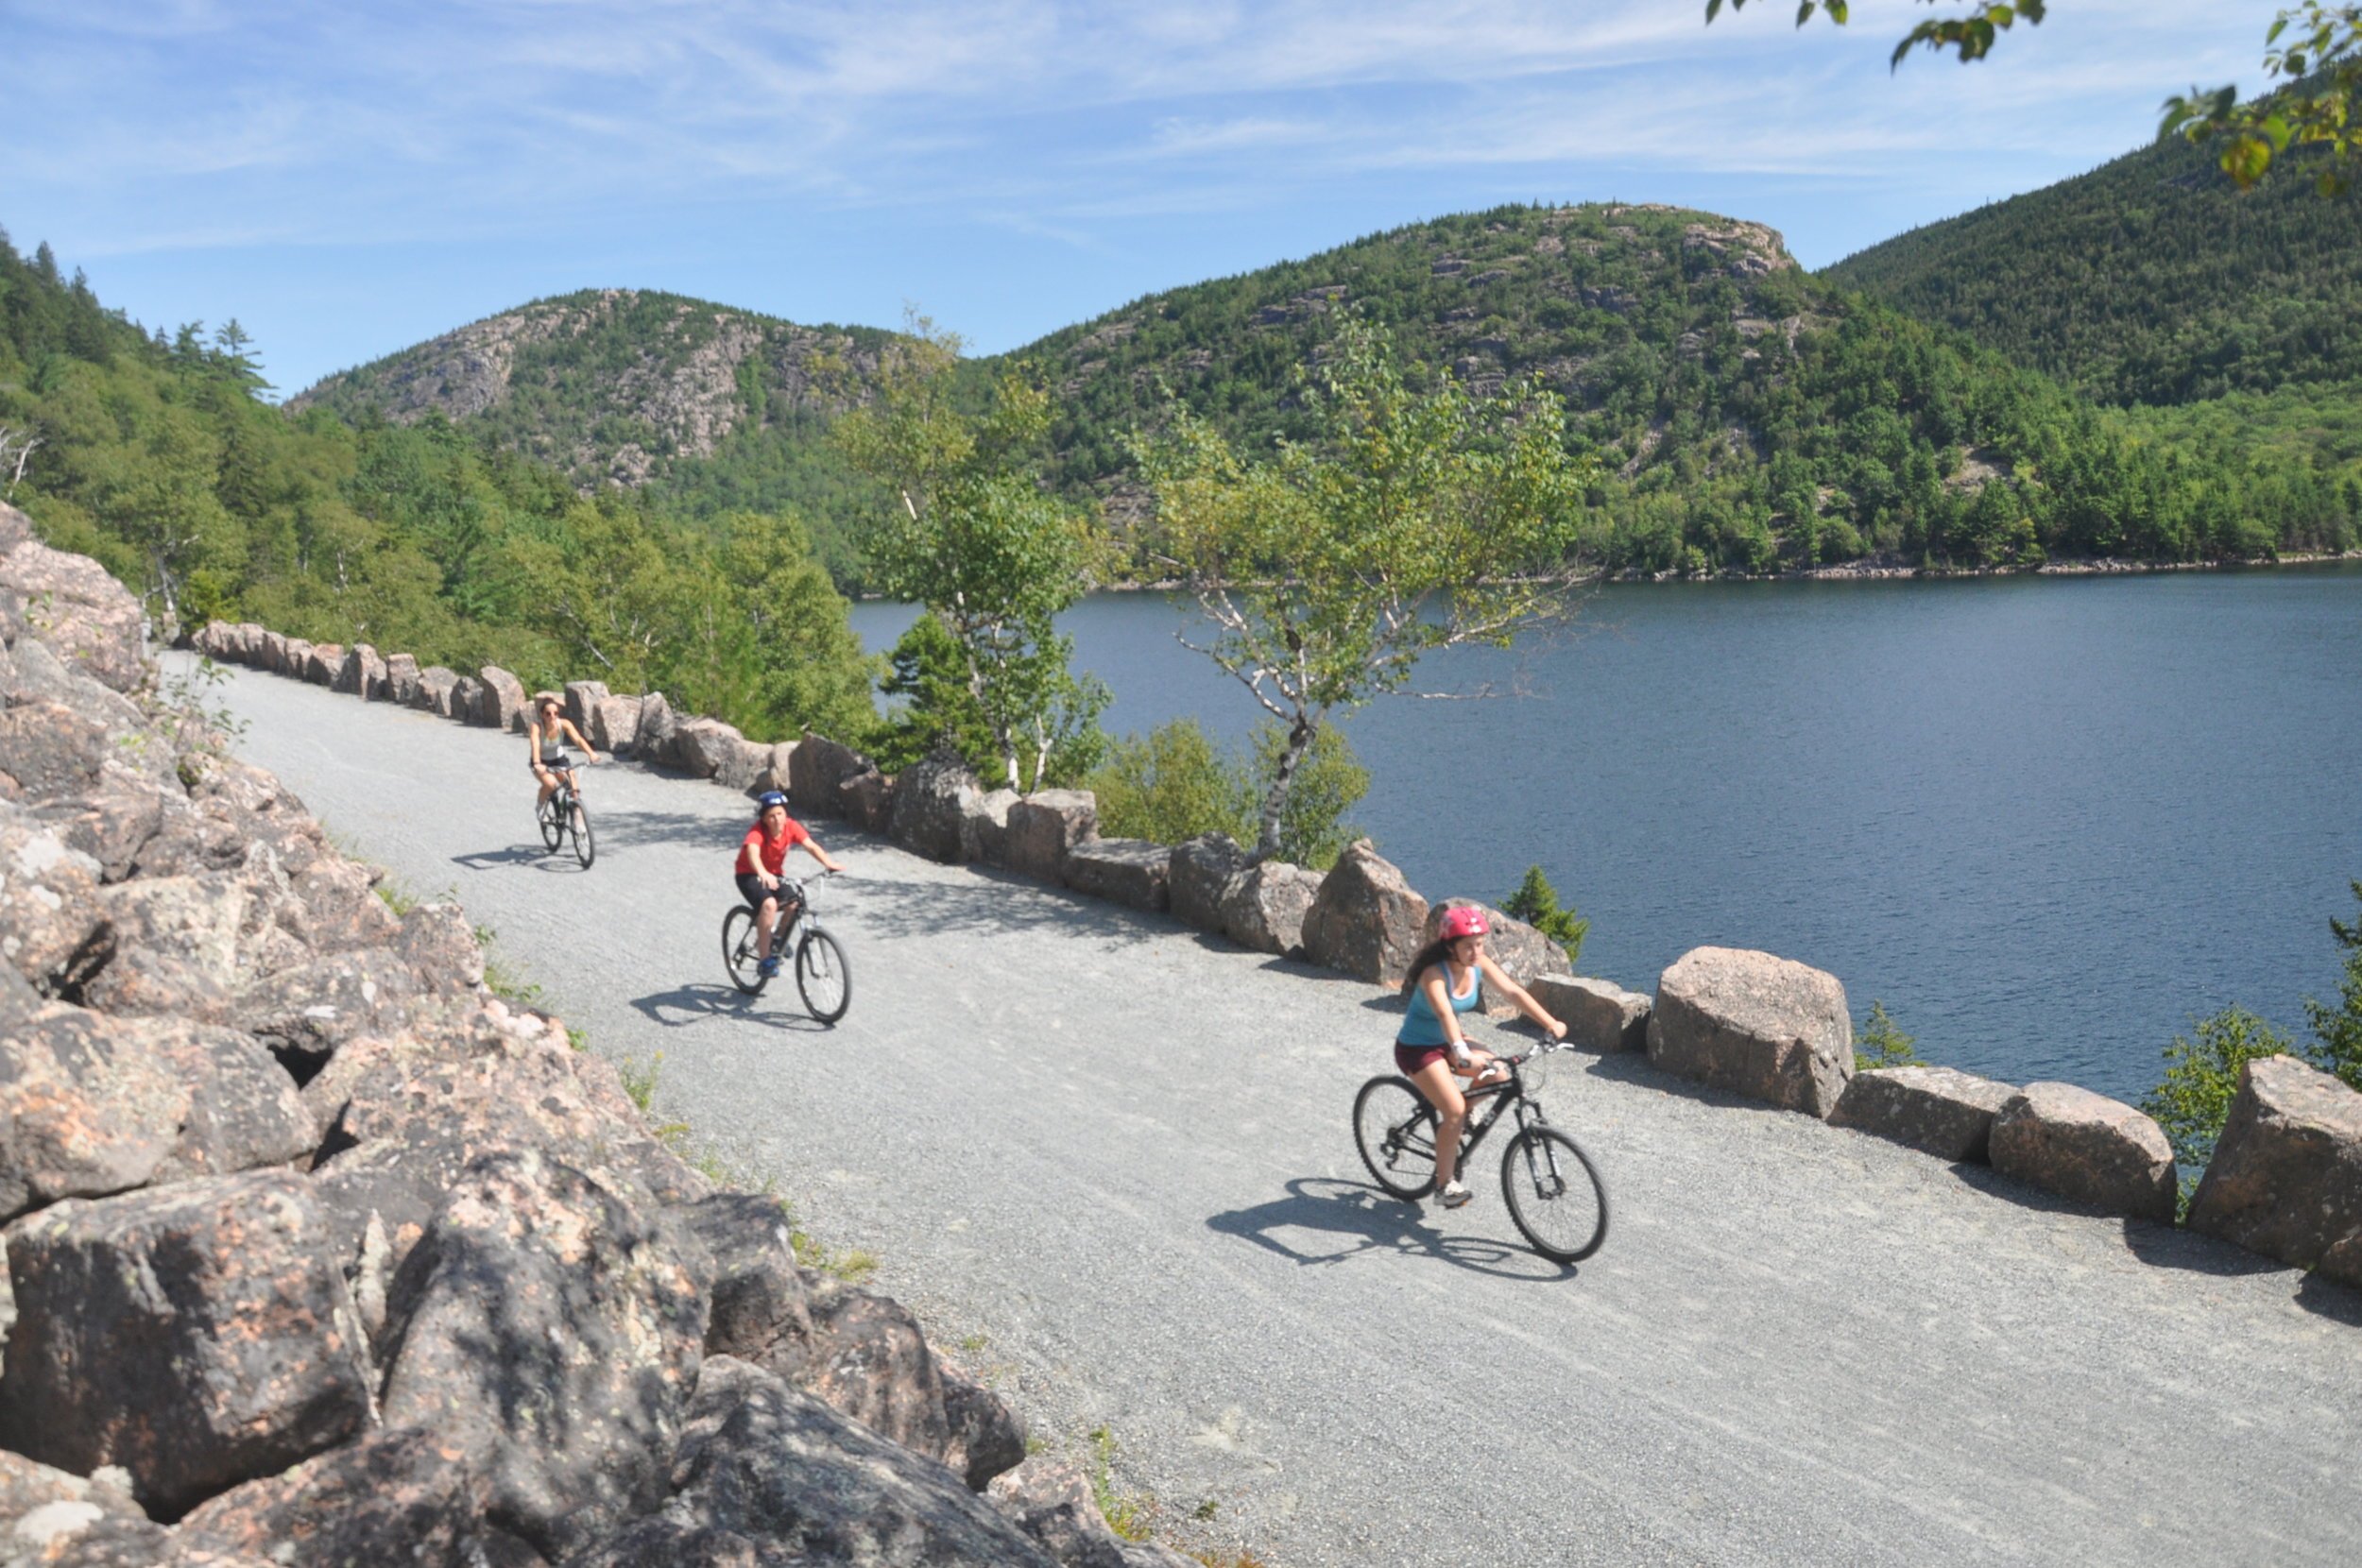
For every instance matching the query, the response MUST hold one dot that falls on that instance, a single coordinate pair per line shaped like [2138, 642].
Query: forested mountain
[2151, 280]
[1752, 416]
[154, 454]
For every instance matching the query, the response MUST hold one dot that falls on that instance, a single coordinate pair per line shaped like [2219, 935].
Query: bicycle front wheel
[553, 831]
[1554, 1194]
[1393, 1126]
[823, 976]
[586, 849]
[739, 938]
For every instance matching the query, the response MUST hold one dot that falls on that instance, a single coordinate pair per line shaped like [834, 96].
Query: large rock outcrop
[1768, 1028]
[196, 1334]
[333, 1257]
[70, 603]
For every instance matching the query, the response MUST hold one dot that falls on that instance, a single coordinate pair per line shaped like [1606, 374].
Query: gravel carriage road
[1113, 1157]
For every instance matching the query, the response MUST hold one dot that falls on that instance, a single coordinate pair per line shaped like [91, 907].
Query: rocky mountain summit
[609, 386]
[318, 1252]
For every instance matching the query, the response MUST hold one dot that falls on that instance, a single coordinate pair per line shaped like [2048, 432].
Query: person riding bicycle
[1445, 981]
[545, 744]
[761, 869]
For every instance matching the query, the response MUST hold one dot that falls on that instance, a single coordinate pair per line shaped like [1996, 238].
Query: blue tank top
[1420, 1026]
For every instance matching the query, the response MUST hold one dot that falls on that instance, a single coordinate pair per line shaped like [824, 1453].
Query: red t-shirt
[774, 851]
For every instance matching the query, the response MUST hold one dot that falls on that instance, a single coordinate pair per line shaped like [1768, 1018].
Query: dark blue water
[2046, 820]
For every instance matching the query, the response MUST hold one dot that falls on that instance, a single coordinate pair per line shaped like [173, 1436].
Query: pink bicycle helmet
[1464, 920]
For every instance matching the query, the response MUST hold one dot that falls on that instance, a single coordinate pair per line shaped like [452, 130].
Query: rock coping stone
[931, 804]
[1136, 873]
[500, 702]
[814, 772]
[2086, 1147]
[985, 827]
[1365, 921]
[1043, 828]
[1264, 907]
[2285, 1179]
[1202, 870]
[1600, 1015]
[1756, 1024]
[1939, 1110]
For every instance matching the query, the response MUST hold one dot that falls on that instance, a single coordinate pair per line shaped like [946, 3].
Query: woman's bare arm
[1498, 977]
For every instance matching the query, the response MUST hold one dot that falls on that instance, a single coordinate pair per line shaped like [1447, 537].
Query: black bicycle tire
[815, 935]
[1385, 1084]
[585, 847]
[553, 831]
[1513, 1172]
[735, 946]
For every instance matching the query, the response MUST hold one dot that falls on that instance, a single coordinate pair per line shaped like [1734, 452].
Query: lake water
[2045, 820]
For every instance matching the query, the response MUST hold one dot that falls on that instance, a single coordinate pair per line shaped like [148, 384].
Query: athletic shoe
[767, 967]
[1454, 1194]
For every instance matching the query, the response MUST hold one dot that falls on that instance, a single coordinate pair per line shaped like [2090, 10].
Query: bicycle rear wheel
[586, 848]
[823, 976]
[739, 938]
[553, 831]
[1393, 1126]
[1556, 1194]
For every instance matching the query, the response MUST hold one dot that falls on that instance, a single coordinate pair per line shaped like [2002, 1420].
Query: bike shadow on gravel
[531, 856]
[1356, 1220]
[689, 1005]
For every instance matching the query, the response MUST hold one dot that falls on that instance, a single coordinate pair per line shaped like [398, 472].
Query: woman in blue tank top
[1447, 980]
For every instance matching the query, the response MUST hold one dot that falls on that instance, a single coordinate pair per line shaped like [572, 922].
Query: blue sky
[350, 178]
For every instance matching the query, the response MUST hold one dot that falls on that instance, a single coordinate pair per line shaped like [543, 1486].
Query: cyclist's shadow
[697, 1002]
[1364, 1220]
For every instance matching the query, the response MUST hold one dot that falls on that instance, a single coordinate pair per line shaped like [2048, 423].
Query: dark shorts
[1412, 1060]
[563, 764]
[751, 889]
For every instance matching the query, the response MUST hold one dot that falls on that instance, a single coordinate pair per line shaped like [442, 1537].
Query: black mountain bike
[1553, 1190]
[823, 977]
[562, 816]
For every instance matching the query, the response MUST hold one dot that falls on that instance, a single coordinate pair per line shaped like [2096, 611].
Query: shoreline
[1867, 569]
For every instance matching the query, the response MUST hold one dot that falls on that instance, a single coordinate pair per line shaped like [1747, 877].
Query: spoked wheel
[823, 976]
[739, 936]
[1394, 1128]
[586, 849]
[553, 831]
[1554, 1194]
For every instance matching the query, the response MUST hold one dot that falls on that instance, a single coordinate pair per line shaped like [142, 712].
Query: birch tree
[969, 532]
[1413, 521]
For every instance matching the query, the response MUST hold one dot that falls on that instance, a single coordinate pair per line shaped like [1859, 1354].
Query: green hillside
[2151, 280]
[156, 455]
[1751, 417]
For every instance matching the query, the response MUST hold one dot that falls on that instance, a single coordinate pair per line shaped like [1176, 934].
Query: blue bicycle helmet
[770, 799]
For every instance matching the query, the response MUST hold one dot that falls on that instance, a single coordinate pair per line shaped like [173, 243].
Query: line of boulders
[1749, 1023]
[2286, 1177]
[317, 1252]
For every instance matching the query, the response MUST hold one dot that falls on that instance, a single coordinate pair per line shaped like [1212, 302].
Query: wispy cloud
[239, 122]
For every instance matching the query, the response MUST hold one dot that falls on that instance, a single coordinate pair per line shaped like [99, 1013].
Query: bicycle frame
[1508, 1099]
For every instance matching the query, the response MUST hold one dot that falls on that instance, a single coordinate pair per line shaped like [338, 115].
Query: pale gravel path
[1119, 1152]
